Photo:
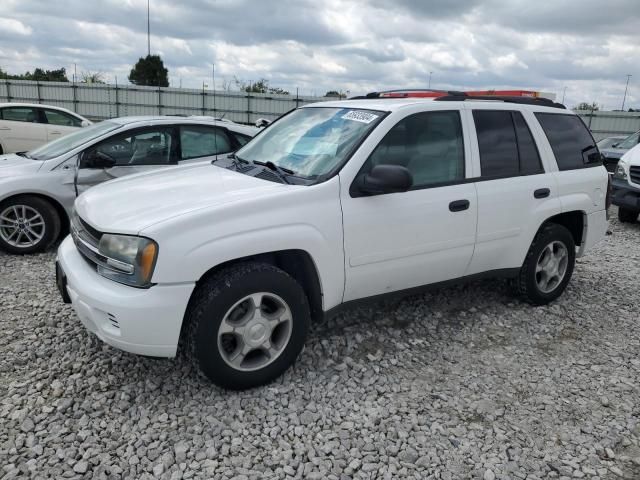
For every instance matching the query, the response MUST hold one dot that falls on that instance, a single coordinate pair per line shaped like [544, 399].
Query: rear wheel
[246, 325]
[548, 266]
[626, 215]
[28, 225]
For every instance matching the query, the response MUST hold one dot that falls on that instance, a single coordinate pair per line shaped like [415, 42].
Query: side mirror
[262, 122]
[385, 179]
[96, 159]
[85, 123]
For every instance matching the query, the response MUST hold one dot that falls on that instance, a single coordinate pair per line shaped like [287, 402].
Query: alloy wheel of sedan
[21, 226]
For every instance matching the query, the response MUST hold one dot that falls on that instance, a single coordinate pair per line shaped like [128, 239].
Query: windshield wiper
[25, 155]
[281, 171]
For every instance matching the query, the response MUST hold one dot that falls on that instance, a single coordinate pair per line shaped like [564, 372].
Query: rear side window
[55, 117]
[20, 114]
[571, 141]
[202, 141]
[507, 148]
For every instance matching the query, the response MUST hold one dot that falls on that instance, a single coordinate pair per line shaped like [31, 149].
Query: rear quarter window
[571, 141]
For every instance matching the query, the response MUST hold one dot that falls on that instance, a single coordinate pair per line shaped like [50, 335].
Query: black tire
[525, 284]
[48, 213]
[626, 215]
[216, 296]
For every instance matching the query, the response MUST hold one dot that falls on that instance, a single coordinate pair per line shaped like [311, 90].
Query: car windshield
[311, 141]
[69, 142]
[629, 142]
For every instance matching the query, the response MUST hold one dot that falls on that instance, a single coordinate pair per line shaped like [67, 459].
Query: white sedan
[25, 126]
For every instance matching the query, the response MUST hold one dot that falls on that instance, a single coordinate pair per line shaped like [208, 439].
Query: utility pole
[625, 92]
[148, 32]
[213, 83]
[430, 73]
[564, 92]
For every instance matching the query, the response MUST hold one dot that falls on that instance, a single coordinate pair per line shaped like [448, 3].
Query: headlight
[128, 259]
[620, 172]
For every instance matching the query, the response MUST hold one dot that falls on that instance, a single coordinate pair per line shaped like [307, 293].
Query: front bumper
[625, 195]
[141, 321]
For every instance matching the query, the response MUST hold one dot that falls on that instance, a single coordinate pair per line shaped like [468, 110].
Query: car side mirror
[85, 123]
[385, 179]
[614, 145]
[96, 159]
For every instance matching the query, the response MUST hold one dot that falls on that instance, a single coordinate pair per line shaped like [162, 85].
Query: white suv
[331, 204]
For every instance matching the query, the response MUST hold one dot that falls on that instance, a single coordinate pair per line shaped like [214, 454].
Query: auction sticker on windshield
[360, 116]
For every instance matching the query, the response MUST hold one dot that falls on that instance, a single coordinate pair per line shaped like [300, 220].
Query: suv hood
[12, 165]
[133, 203]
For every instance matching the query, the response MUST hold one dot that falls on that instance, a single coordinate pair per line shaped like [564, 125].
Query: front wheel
[626, 215]
[548, 266]
[246, 325]
[28, 225]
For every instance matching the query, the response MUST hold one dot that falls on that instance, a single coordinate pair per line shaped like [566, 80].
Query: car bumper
[625, 195]
[141, 321]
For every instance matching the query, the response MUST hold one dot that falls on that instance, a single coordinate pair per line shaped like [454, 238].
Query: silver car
[612, 154]
[38, 188]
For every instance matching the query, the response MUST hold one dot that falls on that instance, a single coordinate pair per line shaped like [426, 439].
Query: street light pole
[625, 92]
[564, 92]
[148, 31]
[429, 79]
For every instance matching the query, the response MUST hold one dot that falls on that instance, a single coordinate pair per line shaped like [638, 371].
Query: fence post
[297, 99]
[38, 90]
[8, 90]
[75, 96]
[159, 101]
[203, 100]
[248, 108]
[117, 100]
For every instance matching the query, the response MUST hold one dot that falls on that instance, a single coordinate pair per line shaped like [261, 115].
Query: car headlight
[128, 259]
[620, 172]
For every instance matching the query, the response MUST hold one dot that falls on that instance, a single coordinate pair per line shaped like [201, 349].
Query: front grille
[87, 240]
[634, 174]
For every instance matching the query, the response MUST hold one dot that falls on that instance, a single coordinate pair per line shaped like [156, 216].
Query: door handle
[542, 193]
[5, 128]
[54, 133]
[459, 205]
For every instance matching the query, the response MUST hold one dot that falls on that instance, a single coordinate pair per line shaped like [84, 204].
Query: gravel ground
[460, 383]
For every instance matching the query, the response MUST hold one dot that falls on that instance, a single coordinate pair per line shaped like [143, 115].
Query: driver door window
[198, 141]
[429, 144]
[151, 146]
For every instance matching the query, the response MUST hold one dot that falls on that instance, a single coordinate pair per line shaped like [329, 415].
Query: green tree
[92, 77]
[150, 71]
[587, 106]
[335, 93]
[39, 74]
[261, 86]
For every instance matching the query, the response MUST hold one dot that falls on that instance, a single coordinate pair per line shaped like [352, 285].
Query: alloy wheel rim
[551, 267]
[21, 226]
[255, 331]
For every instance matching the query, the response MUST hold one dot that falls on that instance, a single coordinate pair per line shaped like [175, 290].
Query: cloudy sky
[588, 46]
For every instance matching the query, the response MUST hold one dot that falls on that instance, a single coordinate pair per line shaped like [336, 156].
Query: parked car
[609, 142]
[626, 186]
[611, 155]
[37, 188]
[332, 204]
[25, 126]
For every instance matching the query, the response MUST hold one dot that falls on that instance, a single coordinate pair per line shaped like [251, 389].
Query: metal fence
[100, 101]
[608, 124]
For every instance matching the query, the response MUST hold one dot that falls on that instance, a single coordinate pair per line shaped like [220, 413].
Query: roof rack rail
[408, 92]
[541, 101]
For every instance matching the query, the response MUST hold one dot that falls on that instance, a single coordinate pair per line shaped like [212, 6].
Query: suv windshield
[69, 142]
[311, 141]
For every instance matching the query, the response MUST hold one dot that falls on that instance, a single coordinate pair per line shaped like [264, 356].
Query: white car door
[515, 193]
[397, 241]
[20, 129]
[59, 123]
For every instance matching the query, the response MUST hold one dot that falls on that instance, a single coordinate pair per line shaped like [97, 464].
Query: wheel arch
[297, 263]
[575, 221]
